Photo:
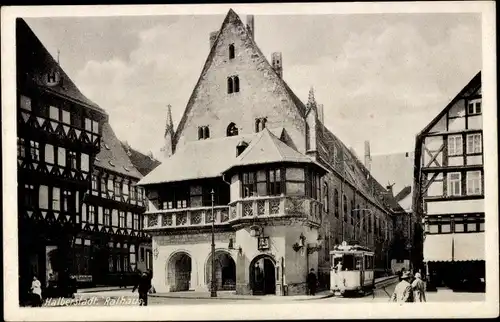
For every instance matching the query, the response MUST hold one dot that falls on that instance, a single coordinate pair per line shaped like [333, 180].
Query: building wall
[261, 94]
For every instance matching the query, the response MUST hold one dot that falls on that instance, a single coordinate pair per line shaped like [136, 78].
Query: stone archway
[263, 275]
[179, 269]
[225, 271]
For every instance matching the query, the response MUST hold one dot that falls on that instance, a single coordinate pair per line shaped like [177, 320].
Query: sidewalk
[231, 295]
[103, 289]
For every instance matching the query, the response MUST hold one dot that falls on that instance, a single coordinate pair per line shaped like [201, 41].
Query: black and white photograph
[282, 160]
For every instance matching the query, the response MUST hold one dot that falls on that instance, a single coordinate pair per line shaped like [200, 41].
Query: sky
[380, 77]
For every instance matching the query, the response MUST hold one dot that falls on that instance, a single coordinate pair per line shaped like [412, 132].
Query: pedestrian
[418, 287]
[143, 286]
[36, 292]
[403, 291]
[400, 273]
[311, 282]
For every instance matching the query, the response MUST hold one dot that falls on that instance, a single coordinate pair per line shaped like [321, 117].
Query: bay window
[248, 184]
[295, 182]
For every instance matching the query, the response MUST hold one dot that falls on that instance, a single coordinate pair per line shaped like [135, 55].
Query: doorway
[225, 271]
[263, 275]
[179, 272]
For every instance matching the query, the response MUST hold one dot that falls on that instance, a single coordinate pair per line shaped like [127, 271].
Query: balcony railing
[29, 121]
[240, 210]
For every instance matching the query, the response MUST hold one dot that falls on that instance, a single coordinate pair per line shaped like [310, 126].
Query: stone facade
[294, 222]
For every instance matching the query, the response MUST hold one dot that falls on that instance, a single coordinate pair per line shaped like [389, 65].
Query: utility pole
[213, 291]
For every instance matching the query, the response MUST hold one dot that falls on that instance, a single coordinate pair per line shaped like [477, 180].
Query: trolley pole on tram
[213, 291]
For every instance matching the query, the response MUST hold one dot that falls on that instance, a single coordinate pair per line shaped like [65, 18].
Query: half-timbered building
[112, 244]
[449, 181]
[249, 158]
[58, 137]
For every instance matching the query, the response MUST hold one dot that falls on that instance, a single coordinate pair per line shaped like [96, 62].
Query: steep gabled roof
[267, 148]
[112, 156]
[474, 84]
[142, 162]
[232, 16]
[34, 61]
[198, 160]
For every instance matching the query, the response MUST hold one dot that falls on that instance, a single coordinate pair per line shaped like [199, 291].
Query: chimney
[368, 157]
[321, 114]
[250, 26]
[277, 63]
[213, 36]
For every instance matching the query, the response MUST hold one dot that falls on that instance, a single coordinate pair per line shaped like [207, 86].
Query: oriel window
[275, 182]
[248, 184]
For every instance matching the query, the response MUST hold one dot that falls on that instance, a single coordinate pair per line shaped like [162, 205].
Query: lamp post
[213, 291]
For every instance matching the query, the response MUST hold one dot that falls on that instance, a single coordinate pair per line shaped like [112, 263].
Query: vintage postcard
[257, 161]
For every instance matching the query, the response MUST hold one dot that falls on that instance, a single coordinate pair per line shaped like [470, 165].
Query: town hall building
[249, 158]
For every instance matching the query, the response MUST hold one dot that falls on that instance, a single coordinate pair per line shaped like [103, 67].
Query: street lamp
[213, 291]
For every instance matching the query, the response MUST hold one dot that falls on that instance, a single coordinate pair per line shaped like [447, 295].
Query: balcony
[237, 211]
[40, 127]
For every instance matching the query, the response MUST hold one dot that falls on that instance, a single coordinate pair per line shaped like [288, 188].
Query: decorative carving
[181, 219]
[295, 206]
[224, 215]
[208, 217]
[248, 209]
[166, 220]
[196, 217]
[152, 220]
[261, 206]
[233, 212]
[274, 207]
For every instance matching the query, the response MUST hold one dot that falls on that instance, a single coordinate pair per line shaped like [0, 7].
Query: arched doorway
[225, 271]
[179, 272]
[263, 275]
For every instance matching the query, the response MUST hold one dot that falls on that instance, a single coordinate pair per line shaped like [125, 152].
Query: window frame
[476, 105]
[471, 148]
[457, 149]
[449, 182]
[479, 182]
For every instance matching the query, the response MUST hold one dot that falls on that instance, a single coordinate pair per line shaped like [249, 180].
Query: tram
[352, 269]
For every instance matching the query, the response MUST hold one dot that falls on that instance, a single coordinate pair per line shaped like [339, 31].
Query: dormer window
[231, 51]
[203, 132]
[233, 84]
[260, 124]
[231, 130]
[474, 106]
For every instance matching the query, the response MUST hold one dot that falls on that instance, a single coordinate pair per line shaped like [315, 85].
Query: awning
[438, 248]
[469, 247]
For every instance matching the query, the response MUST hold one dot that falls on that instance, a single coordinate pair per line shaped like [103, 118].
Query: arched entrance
[179, 272]
[225, 271]
[263, 275]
